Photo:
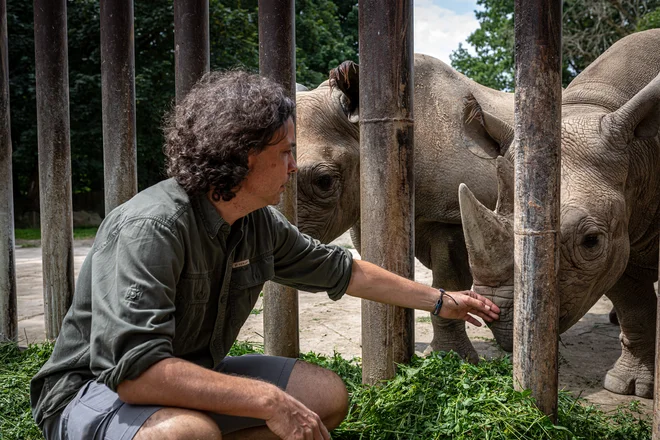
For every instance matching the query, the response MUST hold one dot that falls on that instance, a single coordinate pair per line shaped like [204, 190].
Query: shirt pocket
[245, 286]
[191, 302]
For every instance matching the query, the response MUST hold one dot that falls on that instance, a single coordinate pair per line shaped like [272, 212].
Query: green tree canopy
[589, 28]
[324, 37]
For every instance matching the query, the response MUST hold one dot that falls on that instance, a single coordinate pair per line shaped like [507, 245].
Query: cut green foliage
[35, 234]
[437, 397]
[16, 369]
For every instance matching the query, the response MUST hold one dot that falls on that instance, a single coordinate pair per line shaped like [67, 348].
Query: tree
[589, 28]
[321, 27]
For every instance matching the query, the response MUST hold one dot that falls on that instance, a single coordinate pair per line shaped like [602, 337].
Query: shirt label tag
[240, 264]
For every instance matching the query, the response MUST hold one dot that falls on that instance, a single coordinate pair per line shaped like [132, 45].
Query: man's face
[271, 168]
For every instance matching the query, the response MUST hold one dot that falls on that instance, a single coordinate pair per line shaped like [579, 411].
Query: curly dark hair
[210, 133]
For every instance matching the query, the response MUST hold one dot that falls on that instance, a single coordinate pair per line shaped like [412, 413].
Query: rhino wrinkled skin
[609, 209]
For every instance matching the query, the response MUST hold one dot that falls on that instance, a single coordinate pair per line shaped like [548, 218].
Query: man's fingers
[324, 432]
[478, 305]
[472, 320]
[484, 300]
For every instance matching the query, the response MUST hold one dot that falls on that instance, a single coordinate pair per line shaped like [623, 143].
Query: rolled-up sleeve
[306, 264]
[134, 281]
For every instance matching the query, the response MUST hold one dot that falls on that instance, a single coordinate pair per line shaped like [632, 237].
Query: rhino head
[328, 139]
[602, 178]
[457, 120]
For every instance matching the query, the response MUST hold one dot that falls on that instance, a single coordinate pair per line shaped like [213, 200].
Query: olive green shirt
[168, 277]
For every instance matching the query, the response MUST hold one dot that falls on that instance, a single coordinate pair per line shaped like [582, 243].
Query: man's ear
[346, 78]
[488, 135]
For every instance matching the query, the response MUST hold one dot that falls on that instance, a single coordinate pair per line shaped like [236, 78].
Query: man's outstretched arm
[374, 283]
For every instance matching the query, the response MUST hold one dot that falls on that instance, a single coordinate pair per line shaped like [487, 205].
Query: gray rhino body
[460, 128]
[610, 208]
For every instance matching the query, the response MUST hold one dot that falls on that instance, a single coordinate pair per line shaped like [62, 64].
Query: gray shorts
[96, 413]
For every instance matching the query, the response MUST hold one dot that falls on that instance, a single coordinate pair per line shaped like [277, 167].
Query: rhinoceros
[610, 208]
[460, 128]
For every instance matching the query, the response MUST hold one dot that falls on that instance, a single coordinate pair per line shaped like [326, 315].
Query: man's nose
[293, 166]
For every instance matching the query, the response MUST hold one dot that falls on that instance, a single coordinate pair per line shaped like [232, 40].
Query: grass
[437, 397]
[35, 234]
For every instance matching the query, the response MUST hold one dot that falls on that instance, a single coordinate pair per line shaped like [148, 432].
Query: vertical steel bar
[537, 161]
[656, 398]
[191, 44]
[118, 93]
[52, 78]
[8, 308]
[277, 61]
[386, 175]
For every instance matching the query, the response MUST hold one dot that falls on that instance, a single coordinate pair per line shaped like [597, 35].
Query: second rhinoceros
[610, 209]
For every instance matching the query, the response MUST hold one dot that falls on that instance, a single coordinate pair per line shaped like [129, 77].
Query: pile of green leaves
[16, 369]
[437, 397]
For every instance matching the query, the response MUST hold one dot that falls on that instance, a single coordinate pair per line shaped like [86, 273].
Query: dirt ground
[587, 350]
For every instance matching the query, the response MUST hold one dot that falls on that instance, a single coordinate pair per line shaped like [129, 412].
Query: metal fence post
[118, 92]
[52, 78]
[8, 308]
[536, 212]
[277, 61]
[191, 44]
[386, 175]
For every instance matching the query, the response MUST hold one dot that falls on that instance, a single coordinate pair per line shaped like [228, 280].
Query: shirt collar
[213, 222]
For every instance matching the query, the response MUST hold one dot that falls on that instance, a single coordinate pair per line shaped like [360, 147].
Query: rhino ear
[346, 77]
[639, 117]
[488, 135]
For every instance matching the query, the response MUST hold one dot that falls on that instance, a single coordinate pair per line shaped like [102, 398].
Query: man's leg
[319, 389]
[179, 423]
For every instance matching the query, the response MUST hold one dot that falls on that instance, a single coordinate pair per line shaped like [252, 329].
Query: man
[174, 273]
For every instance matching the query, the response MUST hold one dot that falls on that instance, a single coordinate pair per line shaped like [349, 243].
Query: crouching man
[174, 273]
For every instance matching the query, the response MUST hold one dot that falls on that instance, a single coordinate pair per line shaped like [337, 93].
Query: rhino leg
[635, 305]
[355, 236]
[449, 263]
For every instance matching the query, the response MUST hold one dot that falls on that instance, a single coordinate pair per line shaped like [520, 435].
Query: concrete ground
[587, 350]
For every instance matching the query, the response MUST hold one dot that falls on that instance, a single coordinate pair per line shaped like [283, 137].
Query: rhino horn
[639, 117]
[489, 240]
[505, 183]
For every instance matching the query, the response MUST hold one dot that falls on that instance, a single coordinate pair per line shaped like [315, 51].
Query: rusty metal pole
[52, 78]
[118, 93]
[536, 211]
[191, 44]
[386, 175]
[277, 61]
[656, 399]
[8, 308]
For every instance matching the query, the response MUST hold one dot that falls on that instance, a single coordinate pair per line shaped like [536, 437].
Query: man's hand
[464, 304]
[291, 420]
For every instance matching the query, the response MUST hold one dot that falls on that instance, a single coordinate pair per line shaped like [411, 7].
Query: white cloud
[438, 30]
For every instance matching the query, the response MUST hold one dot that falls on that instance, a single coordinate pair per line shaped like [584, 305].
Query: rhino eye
[590, 241]
[323, 182]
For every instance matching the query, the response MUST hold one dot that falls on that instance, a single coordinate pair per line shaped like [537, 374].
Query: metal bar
[277, 61]
[8, 307]
[386, 175]
[656, 398]
[537, 161]
[52, 78]
[118, 93]
[191, 44]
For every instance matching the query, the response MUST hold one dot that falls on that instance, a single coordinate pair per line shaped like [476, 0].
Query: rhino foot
[630, 376]
[450, 335]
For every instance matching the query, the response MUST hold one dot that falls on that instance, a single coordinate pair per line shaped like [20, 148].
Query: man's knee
[178, 423]
[321, 390]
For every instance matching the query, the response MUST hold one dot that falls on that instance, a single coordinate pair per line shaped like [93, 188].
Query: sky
[440, 25]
